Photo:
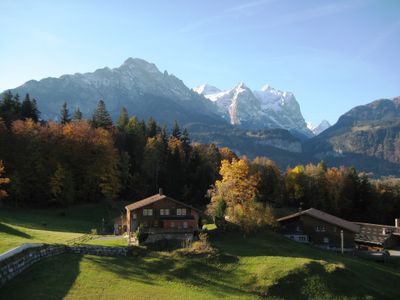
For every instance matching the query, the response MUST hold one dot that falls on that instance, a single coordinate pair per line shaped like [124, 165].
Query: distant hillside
[367, 136]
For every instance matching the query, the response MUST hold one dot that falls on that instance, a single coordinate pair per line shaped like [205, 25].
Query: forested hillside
[79, 161]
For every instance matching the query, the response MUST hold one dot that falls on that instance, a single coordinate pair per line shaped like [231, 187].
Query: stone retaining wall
[13, 265]
[154, 238]
[99, 250]
[23, 259]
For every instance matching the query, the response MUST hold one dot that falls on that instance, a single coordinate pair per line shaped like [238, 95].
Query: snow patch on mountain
[206, 89]
[265, 108]
[320, 128]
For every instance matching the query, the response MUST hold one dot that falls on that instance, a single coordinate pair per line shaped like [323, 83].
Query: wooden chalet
[319, 228]
[376, 237]
[160, 215]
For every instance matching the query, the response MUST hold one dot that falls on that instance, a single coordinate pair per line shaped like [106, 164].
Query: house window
[334, 229]
[320, 228]
[181, 211]
[172, 225]
[185, 225]
[134, 216]
[302, 238]
[164, 211]
[297, 228]
[326, 240]
[147, 212]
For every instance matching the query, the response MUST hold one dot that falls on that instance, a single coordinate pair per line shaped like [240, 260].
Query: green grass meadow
[264, 265]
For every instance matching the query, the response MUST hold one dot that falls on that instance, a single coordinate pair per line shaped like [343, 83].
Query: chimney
[160, 191]
[397, 223]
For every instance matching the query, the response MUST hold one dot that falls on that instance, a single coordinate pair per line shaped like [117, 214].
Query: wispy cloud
[286, 19]
[249, 5]
[232, 11]
[379, 41]
[314, 13]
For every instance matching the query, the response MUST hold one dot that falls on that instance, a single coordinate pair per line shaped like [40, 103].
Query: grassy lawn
[120, 242]
[18, 226]
[265, 265]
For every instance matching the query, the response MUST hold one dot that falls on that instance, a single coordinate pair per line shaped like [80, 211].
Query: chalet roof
[152, 199]
[318, 214]
[375, 233]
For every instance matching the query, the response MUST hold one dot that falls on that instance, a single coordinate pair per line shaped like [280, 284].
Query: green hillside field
[257, 266]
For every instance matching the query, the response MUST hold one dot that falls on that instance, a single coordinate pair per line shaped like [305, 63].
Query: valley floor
[258, 266]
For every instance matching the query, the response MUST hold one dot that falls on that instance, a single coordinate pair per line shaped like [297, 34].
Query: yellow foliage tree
[236, 186]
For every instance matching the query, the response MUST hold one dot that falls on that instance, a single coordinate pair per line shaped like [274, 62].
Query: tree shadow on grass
[12, 231]
[368, 278]
[155, 270]
[315, 282]
[51, 278]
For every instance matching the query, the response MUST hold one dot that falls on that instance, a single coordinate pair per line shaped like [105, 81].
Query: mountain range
[264, 122]
[265, 108]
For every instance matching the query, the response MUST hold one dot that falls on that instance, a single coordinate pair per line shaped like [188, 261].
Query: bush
[165, 245]
[202, 244]
[141, 236]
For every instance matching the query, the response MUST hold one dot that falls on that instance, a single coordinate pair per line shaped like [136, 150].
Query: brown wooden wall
[307, 226]
[162, 221]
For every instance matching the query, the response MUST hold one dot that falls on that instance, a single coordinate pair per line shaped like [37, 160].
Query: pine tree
[152, 128]
[26, 108]
[77, 115]
[10, 108]
[185, 141]
[64, 114]
[101, 117]
[35, 113]
[176, 131]
[123, 119]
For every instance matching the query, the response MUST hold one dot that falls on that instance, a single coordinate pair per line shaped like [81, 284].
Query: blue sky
[332, 55]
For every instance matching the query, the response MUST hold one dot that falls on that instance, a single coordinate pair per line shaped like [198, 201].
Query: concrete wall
[21, 258]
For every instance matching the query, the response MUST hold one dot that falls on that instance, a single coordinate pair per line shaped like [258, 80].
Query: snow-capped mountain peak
[206, 89]
[265, 108]
[320, 128]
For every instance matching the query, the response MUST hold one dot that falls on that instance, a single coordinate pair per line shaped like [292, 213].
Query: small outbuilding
[377, 237]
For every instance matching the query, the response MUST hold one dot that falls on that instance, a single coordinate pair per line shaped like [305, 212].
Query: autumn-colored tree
[227, 154]
[236, 185]
[3, 181]
[237, 189]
